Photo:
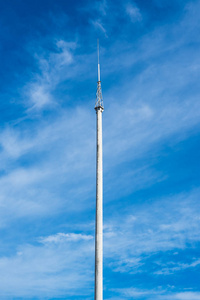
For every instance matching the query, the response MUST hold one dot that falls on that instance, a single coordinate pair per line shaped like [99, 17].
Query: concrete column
[99, 211]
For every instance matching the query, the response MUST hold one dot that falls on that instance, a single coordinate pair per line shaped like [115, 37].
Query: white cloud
[157, 294]
[186, 296]
[62, 237]
[129, 239]
[133, 292]
[133, 12]
[172, 267]
[13, 144]
[99, 26]
[62, 161]
[48, 270]
[40, 95]
[52, 65]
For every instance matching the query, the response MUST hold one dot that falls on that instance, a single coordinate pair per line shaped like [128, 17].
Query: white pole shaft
[99, 212]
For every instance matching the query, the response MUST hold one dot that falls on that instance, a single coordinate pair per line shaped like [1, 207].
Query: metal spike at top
[98, 60]
[99, 97]
[98, 49]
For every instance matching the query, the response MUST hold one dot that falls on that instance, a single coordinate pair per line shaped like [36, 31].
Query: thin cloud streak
[62, 237]
[39, 90]
[143, 233]
[155, 294]
[48, 270]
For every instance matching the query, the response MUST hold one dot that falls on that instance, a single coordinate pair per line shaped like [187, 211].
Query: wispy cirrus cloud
[62, 237]
[97, 24]
[33, 186]
[49, 270]
[144, 233]
[39, 90]
[172, 267]
[133, 12]
[158, 294]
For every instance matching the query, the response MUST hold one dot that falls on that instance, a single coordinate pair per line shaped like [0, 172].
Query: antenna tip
[98, 49]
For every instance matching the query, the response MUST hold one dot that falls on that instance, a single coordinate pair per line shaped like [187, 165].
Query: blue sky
[150, 70]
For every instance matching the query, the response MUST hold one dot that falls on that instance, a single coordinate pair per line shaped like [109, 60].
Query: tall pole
[99, 194]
